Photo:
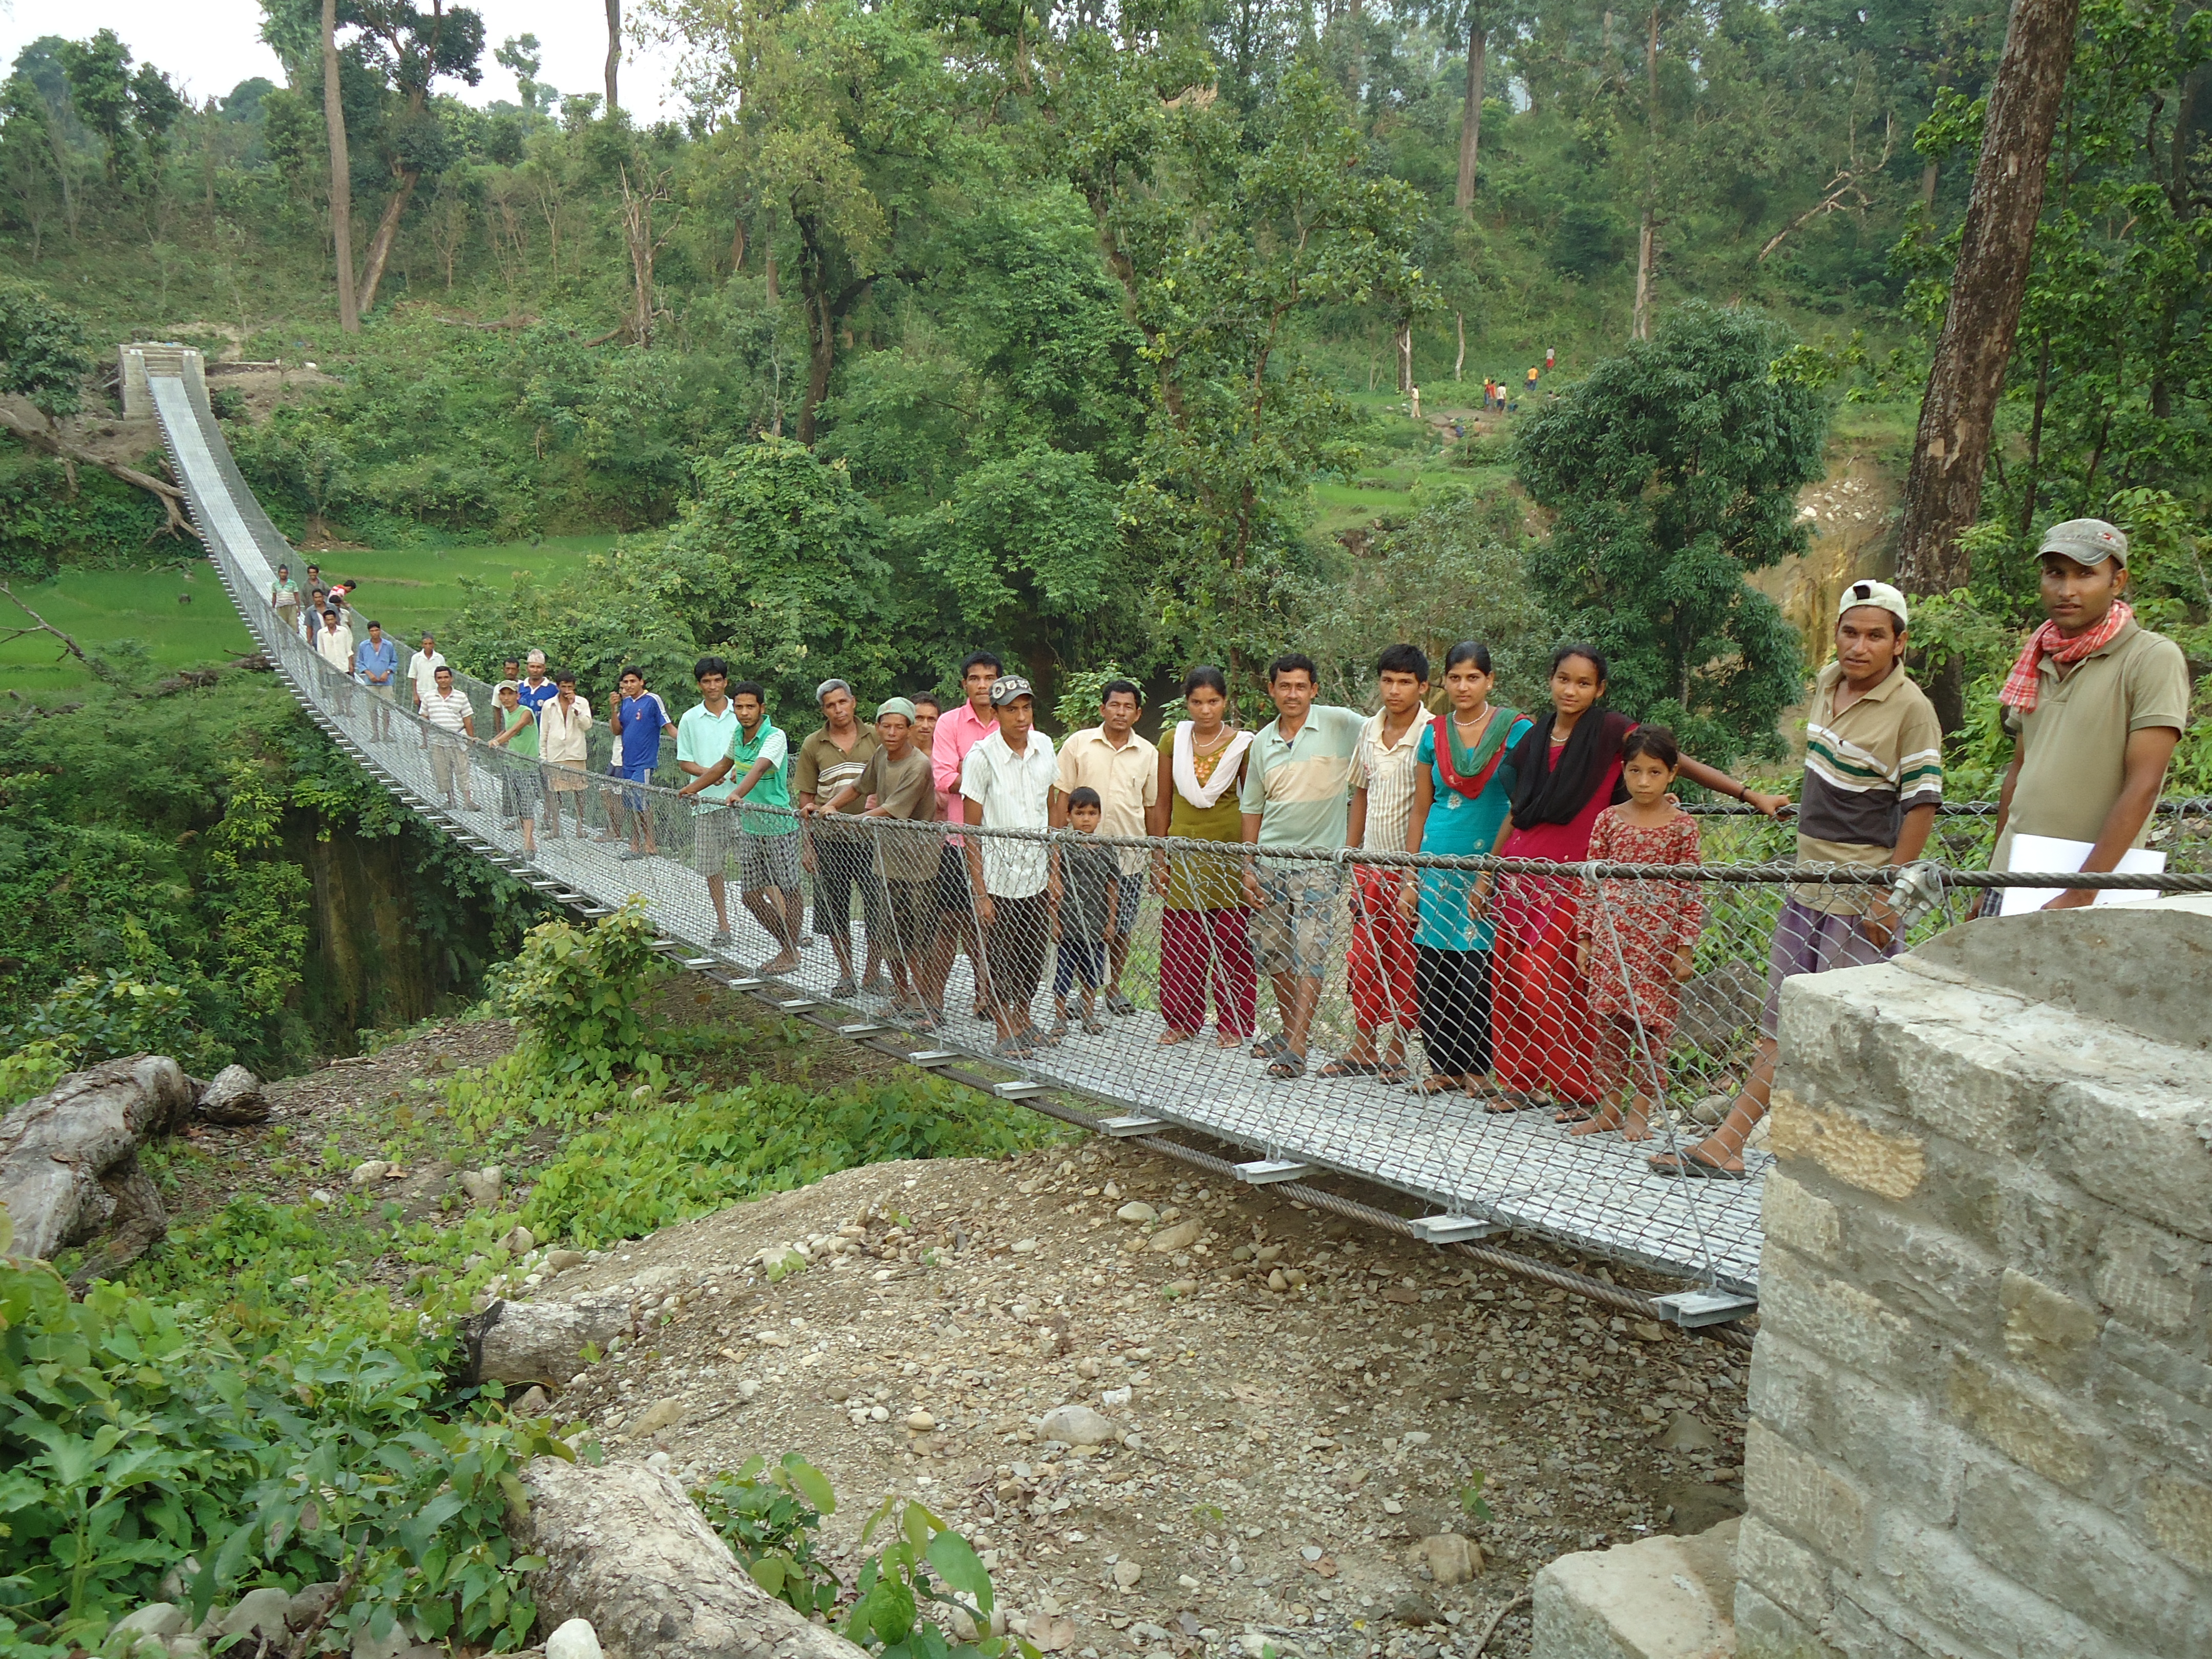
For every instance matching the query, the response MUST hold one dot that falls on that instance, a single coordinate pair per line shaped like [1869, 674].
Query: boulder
[1658, 1598]
[69, 1161]
[575, 1639]
[536, 1341]
[1450, 1557]
[235, 1097]
[1180, 1237]
[1078, 1424]
[258, 1612]
[160, 1619]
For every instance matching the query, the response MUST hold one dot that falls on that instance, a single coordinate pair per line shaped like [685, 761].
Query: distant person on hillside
[840, 855]
[284, 595]
[453, 721]
[1532, 379]
[703, 738]
[1873, 777]
[2095, 706]
[521, 791]
[564, 734]
[640, 722]
[768, 835]
[376, 661]
[1124, 769]
[334, 644]
[1006, 782]
[899, 784]
[1089, 888]
[958, 731]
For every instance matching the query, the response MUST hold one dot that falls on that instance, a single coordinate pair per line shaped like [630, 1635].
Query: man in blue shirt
[641, 720]
[536, 690]
[376, 665]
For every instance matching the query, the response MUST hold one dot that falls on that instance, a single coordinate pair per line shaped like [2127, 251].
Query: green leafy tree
[31, 175]
[44, 354]
[1671, 473]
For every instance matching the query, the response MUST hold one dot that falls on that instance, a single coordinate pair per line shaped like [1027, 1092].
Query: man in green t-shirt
[767, 839]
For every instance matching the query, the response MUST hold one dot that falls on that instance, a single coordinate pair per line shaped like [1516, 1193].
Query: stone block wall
[1981, 1398]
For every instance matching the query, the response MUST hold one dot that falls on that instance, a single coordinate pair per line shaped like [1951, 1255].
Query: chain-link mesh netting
[1513, 1043]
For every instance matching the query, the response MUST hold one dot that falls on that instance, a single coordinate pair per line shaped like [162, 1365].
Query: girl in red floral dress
[1633, 943]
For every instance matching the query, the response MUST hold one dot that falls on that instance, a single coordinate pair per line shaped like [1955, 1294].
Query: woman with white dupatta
[1203, 941]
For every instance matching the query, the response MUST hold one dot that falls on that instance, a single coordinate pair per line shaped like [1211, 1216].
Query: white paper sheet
[2040, 852]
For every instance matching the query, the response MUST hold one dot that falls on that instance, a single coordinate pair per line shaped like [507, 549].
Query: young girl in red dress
[1634, 939]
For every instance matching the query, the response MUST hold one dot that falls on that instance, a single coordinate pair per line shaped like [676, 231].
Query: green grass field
[107, 610]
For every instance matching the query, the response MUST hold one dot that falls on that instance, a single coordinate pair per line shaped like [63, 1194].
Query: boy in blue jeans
[641, 720]
[1089, 887]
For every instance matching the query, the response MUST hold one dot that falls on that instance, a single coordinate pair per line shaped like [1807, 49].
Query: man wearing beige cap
[1873, 777]
[2095, 706]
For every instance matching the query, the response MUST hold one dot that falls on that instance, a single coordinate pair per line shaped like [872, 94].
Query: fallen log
[69, 1159]
[71, 457]
[625, 1549]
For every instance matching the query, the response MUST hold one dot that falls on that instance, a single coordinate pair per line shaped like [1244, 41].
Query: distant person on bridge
[703, 738]
[1297, 797]
[958, 731]
[1205, 929]
[640, 722]
[564, 736]
[898, 783]
[1380, 963]
[840, 855]
[768, 834]
[521, 792]
[422, 673]
[1008, 781]
[1125, 769]
[376, 662]
[452, 720]
[334, 644]
[284, 595]
[2095, 707]
[1873, 777]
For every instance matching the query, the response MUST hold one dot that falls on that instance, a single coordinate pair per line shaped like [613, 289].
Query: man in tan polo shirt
[1125, 769]
[2095, 706]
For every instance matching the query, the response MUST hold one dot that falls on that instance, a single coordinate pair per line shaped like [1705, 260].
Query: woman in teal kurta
[1461, 793]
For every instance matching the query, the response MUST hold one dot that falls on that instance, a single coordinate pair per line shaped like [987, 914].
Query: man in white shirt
[1007, 782]
[334, 644]
[422, 674]
[1125, 769]
[1379, 966]
[451, 721]
[564, 735]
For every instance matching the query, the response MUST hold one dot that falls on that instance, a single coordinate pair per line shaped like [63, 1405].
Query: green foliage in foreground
[138, 1432]
[640, 1173]
[579, 993]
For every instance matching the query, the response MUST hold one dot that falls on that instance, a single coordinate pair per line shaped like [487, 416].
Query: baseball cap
[1006, 688]
[1881, 595]
[895, 706]
[2086, 542]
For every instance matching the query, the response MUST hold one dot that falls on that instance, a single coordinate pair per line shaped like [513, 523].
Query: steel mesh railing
[1606, 988]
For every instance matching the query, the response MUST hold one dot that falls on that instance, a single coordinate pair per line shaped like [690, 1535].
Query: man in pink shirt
[959, 730]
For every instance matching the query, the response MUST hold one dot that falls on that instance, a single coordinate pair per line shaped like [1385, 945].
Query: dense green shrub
[579, 993]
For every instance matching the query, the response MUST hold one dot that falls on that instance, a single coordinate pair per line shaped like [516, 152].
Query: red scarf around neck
[2023, 684]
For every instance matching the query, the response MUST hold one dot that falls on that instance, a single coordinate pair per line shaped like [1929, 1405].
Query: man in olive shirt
[2095, 706]
[839, 857]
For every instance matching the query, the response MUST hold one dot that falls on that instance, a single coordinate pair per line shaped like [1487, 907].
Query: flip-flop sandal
[1504, 1102]
[1349, 1068]
[1390, 1076]
[1270, 1047]
[1286, 1068]
[1439, 1084]
[1572, 1114]
[1691, 1168]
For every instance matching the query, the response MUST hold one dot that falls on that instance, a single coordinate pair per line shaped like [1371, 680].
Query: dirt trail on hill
[1273, 1456]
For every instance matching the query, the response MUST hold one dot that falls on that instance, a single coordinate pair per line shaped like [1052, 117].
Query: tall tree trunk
[1470, 120]
[1928, 177]
[737, 246]
[387, 232]
[341, 174]
[820, 325]
[1639, 321]
[614, 50]
[1944, 491]
[1459, 364]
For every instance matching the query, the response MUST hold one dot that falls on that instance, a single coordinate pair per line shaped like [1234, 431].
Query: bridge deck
[1521, 1169]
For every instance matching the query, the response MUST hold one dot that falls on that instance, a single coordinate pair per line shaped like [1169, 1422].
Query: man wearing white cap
[2095, 706]
[1873, 777]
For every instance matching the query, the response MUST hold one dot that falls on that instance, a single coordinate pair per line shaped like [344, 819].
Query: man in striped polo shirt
[1874, 777]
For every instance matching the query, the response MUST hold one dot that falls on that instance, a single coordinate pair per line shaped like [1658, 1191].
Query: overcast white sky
[211, 46]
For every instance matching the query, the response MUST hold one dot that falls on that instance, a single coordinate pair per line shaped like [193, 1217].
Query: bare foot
[1638, 1127]
[1607, 1119]
[781, 964]
[1232, 1039]
[1169, 1037]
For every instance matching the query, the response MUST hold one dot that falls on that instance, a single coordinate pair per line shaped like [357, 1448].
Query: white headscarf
[1210, 793]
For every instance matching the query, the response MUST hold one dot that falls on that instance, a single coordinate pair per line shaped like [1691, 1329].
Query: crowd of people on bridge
[1526, 990]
